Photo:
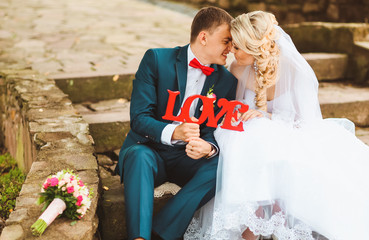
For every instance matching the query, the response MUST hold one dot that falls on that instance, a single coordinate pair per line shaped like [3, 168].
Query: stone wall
[43, 132]
[294, 11]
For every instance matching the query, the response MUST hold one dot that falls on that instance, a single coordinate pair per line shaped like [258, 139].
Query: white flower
[59, 174]
[67, 175]
[62, 182]
[84, 209]
[76, 193]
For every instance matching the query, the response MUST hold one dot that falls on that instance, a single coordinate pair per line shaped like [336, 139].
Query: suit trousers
[146, 166]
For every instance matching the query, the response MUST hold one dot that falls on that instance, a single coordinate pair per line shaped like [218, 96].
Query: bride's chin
[241, 63]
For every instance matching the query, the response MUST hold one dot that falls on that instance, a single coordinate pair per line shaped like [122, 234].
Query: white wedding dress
[295, 176]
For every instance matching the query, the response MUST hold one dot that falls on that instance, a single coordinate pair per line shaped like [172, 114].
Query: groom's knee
[139, 157]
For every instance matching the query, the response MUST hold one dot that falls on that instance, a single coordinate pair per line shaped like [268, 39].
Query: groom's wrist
[212, 152]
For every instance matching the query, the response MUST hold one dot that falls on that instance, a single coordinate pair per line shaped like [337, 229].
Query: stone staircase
[109, 124]
[344, 38]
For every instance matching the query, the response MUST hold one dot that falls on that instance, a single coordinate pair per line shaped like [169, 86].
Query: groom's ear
[202, 38]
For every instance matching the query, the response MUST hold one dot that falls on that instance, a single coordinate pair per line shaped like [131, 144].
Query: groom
[158, 150]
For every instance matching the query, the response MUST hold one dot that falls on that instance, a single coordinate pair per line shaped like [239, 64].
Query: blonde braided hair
[255, 34]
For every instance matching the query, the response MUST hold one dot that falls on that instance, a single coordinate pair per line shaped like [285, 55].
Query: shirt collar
[191, 55]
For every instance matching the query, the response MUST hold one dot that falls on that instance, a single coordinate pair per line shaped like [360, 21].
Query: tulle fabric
[295, 176]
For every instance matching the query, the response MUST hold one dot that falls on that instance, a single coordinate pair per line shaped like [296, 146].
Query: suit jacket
[162, 69]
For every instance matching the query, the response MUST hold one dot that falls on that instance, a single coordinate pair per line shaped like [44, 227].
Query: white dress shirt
[195, 82]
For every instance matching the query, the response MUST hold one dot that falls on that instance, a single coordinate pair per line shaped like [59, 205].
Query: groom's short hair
[209, 18]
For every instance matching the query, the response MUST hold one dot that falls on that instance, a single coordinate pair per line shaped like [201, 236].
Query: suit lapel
[209, 82]
[181, 69]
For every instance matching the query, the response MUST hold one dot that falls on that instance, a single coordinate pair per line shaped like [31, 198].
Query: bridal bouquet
[63, 193]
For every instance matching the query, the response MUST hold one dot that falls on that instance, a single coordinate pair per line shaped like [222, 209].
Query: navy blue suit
[144, 162]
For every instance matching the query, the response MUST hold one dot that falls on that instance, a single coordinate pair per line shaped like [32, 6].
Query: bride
[290, 174]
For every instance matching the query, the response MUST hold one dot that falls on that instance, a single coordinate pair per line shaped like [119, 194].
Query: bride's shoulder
[236, 69]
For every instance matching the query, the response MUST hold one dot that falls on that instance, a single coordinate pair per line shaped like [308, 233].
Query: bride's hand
[250, 114]
[233, 120]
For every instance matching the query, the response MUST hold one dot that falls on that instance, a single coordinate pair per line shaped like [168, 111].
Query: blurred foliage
[11, 180]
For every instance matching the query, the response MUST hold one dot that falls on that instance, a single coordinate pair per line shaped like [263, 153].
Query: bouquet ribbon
[56, 207]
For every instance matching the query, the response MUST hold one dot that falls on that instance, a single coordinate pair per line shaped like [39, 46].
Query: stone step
[108, 122]
[339, 100]
[345, 38]
[363, 134]
[112, 222]
[326, 36]
[89, 87]
[328, 66]
[361, 61]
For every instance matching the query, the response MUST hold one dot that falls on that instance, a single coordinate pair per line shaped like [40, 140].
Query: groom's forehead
[223, 30]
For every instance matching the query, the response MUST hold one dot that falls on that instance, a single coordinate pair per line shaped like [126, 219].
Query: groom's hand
[185, 131]
[197, 148]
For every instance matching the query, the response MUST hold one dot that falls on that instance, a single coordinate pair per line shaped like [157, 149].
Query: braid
[255, 34]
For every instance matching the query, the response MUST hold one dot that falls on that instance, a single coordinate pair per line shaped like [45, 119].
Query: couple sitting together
[289, 174]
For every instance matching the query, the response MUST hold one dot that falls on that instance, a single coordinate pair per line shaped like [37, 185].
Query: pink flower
[48, 181]
[46, 185]
[81, 184]
[54, 181]
[79, 200]
[70, 189]
[212, 95]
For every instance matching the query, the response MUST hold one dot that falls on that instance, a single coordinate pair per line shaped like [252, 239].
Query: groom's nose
[229, 47]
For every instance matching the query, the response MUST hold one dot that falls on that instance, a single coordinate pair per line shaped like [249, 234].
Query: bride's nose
[233, 49]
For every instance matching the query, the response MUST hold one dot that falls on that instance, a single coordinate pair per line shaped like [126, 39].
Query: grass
[11, 180]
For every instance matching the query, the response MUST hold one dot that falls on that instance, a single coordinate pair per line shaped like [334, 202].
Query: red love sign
[227, 109]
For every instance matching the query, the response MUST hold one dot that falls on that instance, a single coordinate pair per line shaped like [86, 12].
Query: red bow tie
[205, 70]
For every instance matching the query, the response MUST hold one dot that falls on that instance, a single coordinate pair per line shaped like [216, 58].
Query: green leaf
[40, 200]
[73, 223]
